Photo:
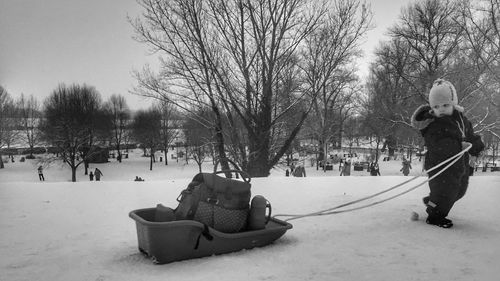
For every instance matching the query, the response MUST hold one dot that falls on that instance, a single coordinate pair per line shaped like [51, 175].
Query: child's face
[442, 109]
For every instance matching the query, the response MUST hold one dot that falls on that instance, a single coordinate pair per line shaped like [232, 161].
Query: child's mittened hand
[465, 144]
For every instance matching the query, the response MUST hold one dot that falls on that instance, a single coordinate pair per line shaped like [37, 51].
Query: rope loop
[334, 210]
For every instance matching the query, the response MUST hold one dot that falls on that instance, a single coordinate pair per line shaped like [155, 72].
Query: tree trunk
[325, 154]
[151, 162]
[258, 162]
[166, 154]
[257, 166]
[1, 162]
[31, 152]
[119, 153]
[73, 174]
[219, 139]
[376, 150]
[86, 165]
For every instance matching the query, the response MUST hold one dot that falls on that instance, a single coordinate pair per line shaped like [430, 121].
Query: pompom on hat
[443, 92]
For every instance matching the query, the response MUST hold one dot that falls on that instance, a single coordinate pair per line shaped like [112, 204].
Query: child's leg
[464, 183]
[444, 191]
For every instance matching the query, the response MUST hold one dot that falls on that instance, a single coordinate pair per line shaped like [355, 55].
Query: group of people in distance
[97, 174]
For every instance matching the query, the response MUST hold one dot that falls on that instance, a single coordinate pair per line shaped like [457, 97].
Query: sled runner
[166, 242]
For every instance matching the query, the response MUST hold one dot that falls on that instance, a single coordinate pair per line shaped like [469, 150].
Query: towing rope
[330, 211]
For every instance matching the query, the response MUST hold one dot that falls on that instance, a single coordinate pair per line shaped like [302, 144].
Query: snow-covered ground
[58, 230]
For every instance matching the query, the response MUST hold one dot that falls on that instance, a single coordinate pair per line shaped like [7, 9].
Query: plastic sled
[166, 242]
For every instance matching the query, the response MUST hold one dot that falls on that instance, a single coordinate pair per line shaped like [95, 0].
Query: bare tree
[233, 53]
[73, 120]
[179, 30]
[262, 40]
[392, 97]
[198, 138]
[146, 130]
[429, 29]
[481, 25]
[119, 112]
[329, 51]
[169, 125]
[7, 121]
[30, 115]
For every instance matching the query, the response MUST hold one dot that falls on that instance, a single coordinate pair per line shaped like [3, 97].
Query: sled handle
[244, 175]
[236, 167]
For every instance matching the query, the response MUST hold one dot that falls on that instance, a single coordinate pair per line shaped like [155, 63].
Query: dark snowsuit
[443, 138]
[406, 167]
[299, 171]
[374, 169]
[40, 173]
[98, 174]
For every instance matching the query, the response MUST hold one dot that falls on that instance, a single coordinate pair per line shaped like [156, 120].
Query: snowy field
[58, 230]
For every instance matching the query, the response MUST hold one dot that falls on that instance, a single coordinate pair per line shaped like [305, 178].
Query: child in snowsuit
[406, 167]
[446, 132]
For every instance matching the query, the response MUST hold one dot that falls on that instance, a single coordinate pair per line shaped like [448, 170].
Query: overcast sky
[47, 42]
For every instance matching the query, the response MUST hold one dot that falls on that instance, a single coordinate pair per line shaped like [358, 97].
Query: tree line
[251, 78]
[76, 123]
[266, 71]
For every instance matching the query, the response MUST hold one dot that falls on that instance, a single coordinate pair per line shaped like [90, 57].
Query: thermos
[257, 218]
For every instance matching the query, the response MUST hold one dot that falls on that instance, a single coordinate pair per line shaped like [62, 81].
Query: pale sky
[47, 42]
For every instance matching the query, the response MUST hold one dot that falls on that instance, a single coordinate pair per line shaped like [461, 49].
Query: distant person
[287, 173]
[98, 174]
[346, 171]
[299, 171]
[91, 176]
[40, 173]
[374, 169]
[406, 167]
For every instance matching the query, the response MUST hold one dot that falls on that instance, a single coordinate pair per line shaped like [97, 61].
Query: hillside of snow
[58, 230]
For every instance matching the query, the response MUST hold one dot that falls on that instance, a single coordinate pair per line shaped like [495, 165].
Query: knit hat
[443, 92]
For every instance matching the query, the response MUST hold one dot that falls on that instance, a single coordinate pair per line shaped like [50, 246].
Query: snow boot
[426, 200]
[436, 217]
[439, 221]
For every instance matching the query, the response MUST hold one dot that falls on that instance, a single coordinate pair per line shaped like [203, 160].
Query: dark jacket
[374, 169]
[443, 138]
